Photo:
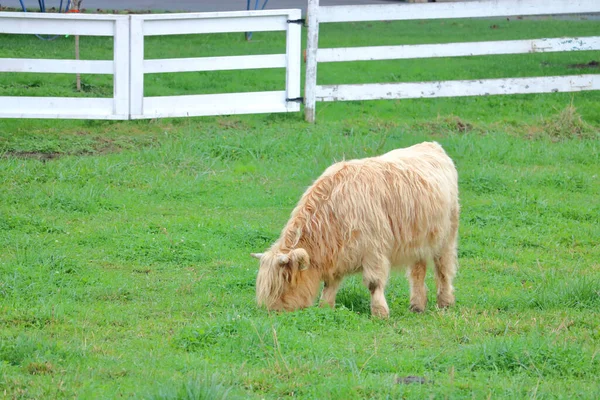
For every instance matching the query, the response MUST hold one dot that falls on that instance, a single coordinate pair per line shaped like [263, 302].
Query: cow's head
[285, 281]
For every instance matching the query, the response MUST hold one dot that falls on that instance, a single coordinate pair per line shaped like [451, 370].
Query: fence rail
[482, 87]
[404, 52]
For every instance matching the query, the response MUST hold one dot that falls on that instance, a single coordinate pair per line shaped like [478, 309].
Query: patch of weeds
[120, 295]
[28, 223]
[322, 319]
[28, 320]
[572, 183]
[567, 124]
[226, 152]
[534, 356]
[199, 388]
[69, 203]
[483, 220]
[39, 275]
[197, 338]
[40, 368]
[580, 215]
[17, 350]
[580, 293]
[483, 184]
[246, 237]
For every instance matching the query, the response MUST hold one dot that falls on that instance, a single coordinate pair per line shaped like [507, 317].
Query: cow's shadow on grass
[354, 298]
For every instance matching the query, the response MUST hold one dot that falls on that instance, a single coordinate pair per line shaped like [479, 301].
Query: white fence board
[213, 104]
[216, 15]
[158, 27]
[58, 24]
[457, 49]
[57, 107]
[471, 9]
[56, 66]
[481, 87]
[214, 63]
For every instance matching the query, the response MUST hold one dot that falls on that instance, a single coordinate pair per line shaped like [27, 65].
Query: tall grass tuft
[198, 388]
[567, 124]
[581, 293]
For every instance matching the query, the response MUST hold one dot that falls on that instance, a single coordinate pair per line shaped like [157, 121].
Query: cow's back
[399, 204]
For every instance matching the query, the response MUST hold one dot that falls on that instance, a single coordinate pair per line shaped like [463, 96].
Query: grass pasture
[125, 268]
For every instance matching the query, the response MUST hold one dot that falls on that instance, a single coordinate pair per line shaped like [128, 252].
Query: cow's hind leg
[375, 276]
[445, 271]
[329, 292]
[418, 292]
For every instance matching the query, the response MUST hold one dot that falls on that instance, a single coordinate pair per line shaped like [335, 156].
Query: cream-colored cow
[366, 216]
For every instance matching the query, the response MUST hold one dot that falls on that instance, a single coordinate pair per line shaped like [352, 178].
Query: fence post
[136, 65]
[312, 45]
[121, 68]
[293, 60]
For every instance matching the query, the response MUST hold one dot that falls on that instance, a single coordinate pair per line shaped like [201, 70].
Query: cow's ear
[256, 255]
[300, 258]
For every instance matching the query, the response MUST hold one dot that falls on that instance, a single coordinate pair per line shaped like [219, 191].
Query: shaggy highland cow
[366, 216]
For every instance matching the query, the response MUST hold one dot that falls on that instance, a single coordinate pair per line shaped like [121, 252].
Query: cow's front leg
[418, 292]
[379, 306]
[329, 292]
[375, 276]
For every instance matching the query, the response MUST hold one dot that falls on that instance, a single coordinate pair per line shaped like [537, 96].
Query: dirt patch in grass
[40, 368]
[45, 156]
[76, 143]
[32, 155]
[407, 380]
[591, 64]
[452, 123]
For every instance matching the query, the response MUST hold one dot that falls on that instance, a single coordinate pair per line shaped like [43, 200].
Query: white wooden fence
[215, 104]
[129, 66]
[486, 8]
[116, 26]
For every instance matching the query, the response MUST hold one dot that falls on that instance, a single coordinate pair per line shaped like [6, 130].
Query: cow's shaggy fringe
[399, 209]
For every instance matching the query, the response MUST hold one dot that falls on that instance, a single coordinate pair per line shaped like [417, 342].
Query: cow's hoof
[417, 308]
[445, 301]
[380, 312]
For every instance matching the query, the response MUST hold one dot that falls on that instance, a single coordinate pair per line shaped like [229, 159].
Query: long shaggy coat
[366, 216]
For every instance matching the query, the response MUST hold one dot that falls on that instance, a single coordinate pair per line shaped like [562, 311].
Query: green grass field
[125, 267]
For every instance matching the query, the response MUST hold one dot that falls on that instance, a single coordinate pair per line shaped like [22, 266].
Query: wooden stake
[75, 8]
